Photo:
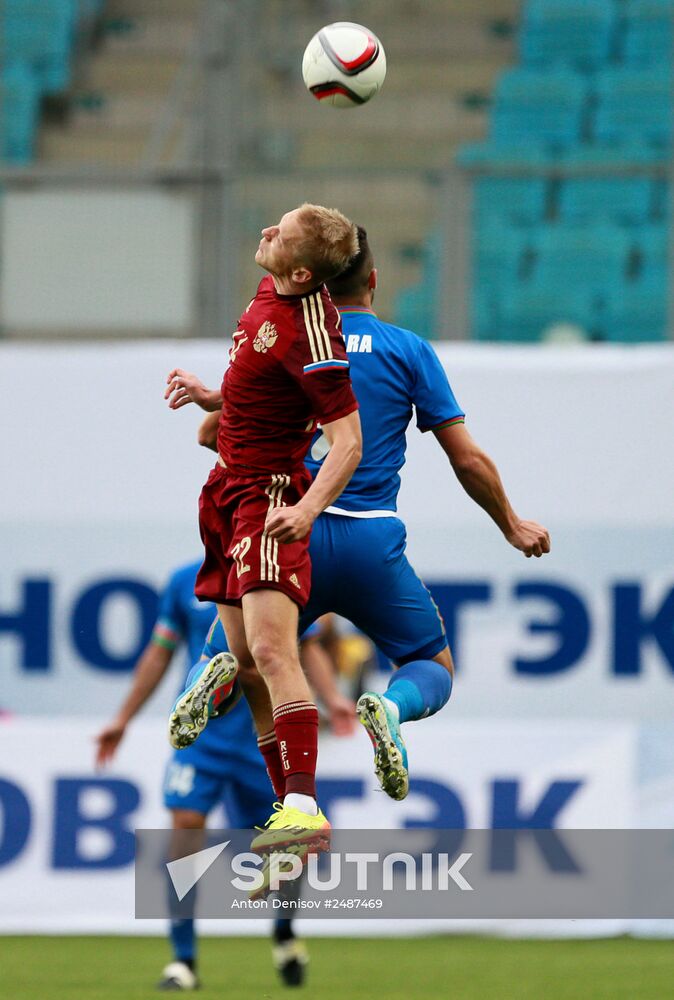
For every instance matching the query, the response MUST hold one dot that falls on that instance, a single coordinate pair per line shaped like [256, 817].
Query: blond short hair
[331, 240]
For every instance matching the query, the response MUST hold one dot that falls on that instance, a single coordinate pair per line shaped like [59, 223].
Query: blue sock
[419, 689]
[283, 930]
[183, 940]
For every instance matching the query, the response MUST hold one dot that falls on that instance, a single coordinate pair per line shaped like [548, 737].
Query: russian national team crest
[266, 337]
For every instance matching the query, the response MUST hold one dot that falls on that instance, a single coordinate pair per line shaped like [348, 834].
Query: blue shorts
[361, 572]
[221, 769]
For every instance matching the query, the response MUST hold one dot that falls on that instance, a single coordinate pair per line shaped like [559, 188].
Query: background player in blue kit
[225, 766]
[359, 566]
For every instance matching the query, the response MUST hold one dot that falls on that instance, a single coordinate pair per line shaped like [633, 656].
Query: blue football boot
[390, 755]
[209, 684]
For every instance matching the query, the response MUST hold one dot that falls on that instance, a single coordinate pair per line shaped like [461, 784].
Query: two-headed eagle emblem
[266, 337]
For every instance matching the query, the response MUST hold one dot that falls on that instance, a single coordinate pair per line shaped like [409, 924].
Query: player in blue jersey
[359, 566]
[224, 767]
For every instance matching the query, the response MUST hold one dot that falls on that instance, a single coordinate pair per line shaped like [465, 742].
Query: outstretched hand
[184, 387]
[530, 538]
[342, 716]
[107, 742]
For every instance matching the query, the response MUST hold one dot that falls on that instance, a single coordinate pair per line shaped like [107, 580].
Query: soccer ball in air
[344, 65]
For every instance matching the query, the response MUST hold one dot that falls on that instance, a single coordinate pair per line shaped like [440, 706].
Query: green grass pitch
[434, 968]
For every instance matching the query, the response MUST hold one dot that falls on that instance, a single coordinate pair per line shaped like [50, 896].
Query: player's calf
[419, 689]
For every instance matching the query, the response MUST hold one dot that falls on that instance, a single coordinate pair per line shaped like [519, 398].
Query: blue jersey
[395, 373]
[184, 619]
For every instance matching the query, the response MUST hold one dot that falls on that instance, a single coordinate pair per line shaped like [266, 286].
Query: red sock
[296, 725]
[268, 747]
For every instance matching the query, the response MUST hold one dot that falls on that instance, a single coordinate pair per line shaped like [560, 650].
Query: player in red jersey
[288, 369]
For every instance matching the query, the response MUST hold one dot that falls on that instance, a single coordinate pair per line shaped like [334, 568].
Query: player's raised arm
[288, 524]
[184, 387]
[480, 479]
[149, 671]
[320, 672]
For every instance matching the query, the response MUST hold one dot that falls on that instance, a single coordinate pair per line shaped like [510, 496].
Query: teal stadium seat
[503, 208]
[575, 32]
[19, 109]
[594, 94]
[484, 307]
[530, 309]
[584, 257]
[500, 253]
[492, 154]
[501, 258]
[628, 200]
[519, 199]
[40, 33]
[537, 108]
[651, 246]
[648, 32]
[415, 308]
[662, 201]
[634, 106]
[632, 152]
[36, 45]
[637, 311]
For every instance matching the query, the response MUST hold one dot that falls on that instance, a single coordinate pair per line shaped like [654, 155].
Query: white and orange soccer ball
[344, 65]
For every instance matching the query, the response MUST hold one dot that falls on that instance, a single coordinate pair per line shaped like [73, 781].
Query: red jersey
[288, 370]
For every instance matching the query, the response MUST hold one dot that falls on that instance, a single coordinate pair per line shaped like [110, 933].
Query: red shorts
[239, 555]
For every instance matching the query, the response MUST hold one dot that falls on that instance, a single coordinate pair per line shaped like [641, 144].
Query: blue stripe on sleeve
[319, 366]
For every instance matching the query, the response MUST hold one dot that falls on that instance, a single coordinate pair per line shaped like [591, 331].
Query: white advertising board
[66, 844]
[101, 480]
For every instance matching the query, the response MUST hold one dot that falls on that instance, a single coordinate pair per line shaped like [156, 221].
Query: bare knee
[272, 659]
[240, 651]
[245, 661]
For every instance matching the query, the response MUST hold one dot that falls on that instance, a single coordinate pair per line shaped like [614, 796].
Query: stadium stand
[574, 32]
[627, 200]
[651, 246]
[584, 115]
[636, 312]
[19, 110]
[634, 106]
[520, 199]
[37, 45]
[447, 56]
[577, 229]
[594, 258]
[41, 33]
[538, 107]
[648, 32]
[528, 308]
[414, 306]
